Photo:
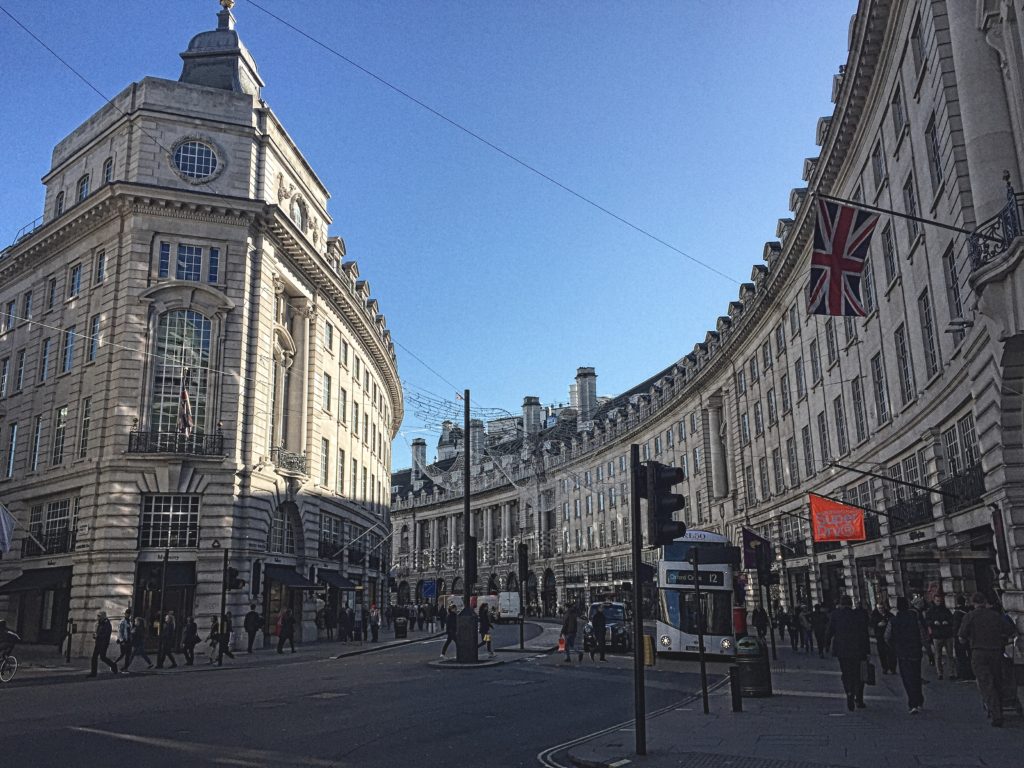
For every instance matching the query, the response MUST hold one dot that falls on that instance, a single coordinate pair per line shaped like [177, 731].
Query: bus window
[710, 553]
[678, 608]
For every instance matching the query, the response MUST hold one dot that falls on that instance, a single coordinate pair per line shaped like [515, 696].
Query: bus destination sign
[685, 578]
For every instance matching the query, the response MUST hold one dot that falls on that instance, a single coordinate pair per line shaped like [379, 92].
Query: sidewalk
[545, 642]
[806, 724]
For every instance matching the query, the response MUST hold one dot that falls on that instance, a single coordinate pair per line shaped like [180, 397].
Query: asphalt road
[388, 708]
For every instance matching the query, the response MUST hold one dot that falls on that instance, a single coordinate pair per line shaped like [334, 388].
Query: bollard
[734, 687]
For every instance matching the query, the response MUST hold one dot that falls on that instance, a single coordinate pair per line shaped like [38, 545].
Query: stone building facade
[773, 403]
[184, 255]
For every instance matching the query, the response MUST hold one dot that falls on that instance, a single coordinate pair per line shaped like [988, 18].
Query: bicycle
[8, 666]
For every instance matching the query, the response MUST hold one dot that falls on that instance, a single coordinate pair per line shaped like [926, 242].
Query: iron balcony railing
[374, 562]
[54, 543]
[330, 550]
[907, 513]
[794, 548]
[176, 442]
[963, 490]
[289, 461]
[872, 528]
[992, 238]
[827, 546]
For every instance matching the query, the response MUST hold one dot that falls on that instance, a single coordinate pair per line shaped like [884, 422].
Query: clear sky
[690, 120]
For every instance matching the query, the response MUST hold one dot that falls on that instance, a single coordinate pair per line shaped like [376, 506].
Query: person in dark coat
[987, 632]
[960, 648]
[760, 621]
[819, 628]
[485, 630]
[598, 626]
[139, 643]
[451, 626]
[880, 618]
[225, 636]
[102, 642]
[287, 631]
[570, 625]
[165, 649]
[189, 641]
[330, 621]
[907, 640]
[848, 634]
[252, 623]
[940, 628]
[421, 616]
[782, 618]
[796, 634]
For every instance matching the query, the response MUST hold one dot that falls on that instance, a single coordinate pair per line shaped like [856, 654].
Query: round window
[195, 159]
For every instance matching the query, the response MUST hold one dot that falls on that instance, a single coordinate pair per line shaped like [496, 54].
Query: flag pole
[5, 511]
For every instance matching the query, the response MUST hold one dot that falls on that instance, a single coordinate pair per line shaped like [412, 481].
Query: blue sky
[689, 119]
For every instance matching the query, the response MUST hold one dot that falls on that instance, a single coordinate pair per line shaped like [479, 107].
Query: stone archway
[511, 583]
[403, 593]
[457, 585]
[419, 591]
[530, 591]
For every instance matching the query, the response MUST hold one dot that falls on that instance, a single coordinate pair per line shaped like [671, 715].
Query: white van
[509, 607]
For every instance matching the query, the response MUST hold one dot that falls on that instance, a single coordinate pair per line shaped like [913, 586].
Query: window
[83, 433]
[108, 170]
[860, 421]
[342, 403]
[889, 254]
[101, 267]
[190, 262]
[815, 362]
[831, 345]
[931, 357]
[801, 385]
[5, 372]
[12, 446]
[297, 212]
[791, 460]
[58, 204]
[910, 205]
[762, 467]
[328, 337]
[326, 400]
[878, 385]
[9, 315]
[899, 116]
[172, 521]
[669, 441]
[968, 440]
[956, 307]
[355, 476]
[19, 378]
[867, 284]
[744, 428]
[696, 461]
[917, 46]
[325, 462]
[344, 353]
[366, 427]
[823, 442]
[44, 359]
[645, 450]
[365, 495]
[682, 466]
[576, 508]
[842, 437]
[60, 425]
[773, 413]
[68, 357]
[37, 435]
[51, 293]
[355, 419]
[164, 265]
[877, 164]
[780, 480]
[780, 338]
[934, 153]
[590, 505]
[758, 419]
[74, 280]
[766, 355]
[195, 160]
[787, 402]
[750, 489]
[904, 365]
[94, 338]
[741, 382]
[26, 306]
[805, 437]
[213, 270]
[357, 366]
[753, 369]
[849, 330]
[182, 359]
[794, 322]
[693, 423]
[83, 188]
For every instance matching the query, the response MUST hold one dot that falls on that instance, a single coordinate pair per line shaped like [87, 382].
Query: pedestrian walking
[806, 630]
[939, 620]
[819, 628]
[421, 616]
[796, 635]
[330, 621]
[906, 637]
[139, 644]
[227, 635]
[880, 618]
[451, 628]
[189, 640]
[375, 622]
[431, 618]
[598, 627]
[124, 639]
[101, 641]
[987, 632]
[388, 616]
[252, 623]
[485, 630]
[961, 648]
[165, 648]
[347, 621]
[759, 618]
[287, 631]
[782, 616]
[213, 641]
[570, 624]
[848, 634]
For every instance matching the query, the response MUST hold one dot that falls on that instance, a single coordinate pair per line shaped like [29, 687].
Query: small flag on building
[7, 523]
[757, 551]
[185, 420]
[842, 234]
[835, 521]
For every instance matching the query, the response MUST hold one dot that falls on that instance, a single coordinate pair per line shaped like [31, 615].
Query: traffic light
[524, 563]
[233, 581]
[656, 486]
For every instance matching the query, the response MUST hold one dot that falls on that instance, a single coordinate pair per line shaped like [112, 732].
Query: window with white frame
[169, 520]
[83, 188]
[805, 437]
[879, 386]
[842, 436]
[68, 353]
[792, 461]
[931, 355]
[181, 360]
[860, 419]
[750, 491]
[904, 365]
[83, 427]
[889, 253]
[74, 280]
[60, 426]
[780, 480]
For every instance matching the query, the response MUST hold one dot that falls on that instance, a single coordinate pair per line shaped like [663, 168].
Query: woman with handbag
[485, 630]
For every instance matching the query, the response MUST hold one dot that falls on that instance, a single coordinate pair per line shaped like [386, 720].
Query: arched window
[298, 213]
[83, 188]
[108, 170]
[58, 204]
[181, 364]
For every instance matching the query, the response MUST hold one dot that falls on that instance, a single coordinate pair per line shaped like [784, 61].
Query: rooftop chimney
[476, 441]
[586, 396]
[531, 415]
[419, 458]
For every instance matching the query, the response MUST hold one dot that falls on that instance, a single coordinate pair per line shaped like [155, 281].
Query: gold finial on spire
[227, 5]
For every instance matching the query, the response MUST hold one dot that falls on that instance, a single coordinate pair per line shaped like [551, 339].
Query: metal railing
[965, 489]
[992, 238]
[872, 528]
[907, 513]
[330, 550]
[56, 543]
[794, 548]
[176, 442]
[289, 461]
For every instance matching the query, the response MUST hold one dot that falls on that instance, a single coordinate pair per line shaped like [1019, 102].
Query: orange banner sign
[835, 521]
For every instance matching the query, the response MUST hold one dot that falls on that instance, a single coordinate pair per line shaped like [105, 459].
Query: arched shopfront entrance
[403, 593]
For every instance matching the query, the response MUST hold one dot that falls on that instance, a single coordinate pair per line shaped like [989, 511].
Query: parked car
[618, 634]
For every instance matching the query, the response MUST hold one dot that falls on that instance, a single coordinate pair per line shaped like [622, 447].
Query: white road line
[825, 695]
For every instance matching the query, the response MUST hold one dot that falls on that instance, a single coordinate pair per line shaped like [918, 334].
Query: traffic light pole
[223, 608]
[699, 612]
[639, 703]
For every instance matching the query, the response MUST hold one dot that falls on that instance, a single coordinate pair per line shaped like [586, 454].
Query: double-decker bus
[677, 623]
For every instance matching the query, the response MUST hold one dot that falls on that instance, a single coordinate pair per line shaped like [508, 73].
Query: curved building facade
[912, 412]
[193, 376]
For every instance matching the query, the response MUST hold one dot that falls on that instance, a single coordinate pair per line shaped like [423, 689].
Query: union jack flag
[842, 235]
[185, 419]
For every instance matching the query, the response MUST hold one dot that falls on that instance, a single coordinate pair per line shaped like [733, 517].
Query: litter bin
[754, 668]
[401, 627]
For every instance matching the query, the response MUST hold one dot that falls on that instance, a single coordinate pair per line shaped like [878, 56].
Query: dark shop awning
[39, 578]
[335, 579]
[286, 575]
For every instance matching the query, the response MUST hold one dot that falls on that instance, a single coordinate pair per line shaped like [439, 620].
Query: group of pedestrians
[807, 627]
[352, 624]
[970, 641]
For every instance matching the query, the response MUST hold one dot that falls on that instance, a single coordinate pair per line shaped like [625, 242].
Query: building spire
[226, 19]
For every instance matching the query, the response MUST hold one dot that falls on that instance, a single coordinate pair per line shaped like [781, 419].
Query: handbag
[561, 643]
[867, 672]
[487, 637]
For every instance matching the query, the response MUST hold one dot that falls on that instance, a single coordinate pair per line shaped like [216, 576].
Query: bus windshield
[678, 608]
[711, 553]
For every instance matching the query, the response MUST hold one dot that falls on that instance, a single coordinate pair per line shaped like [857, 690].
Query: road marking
[825, 695]
[216, 752]
[619, 763]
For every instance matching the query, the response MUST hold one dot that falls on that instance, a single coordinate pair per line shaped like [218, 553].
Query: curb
[393, 644]
[456, 665]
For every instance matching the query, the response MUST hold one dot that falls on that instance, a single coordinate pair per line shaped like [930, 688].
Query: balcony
[355, 556]
[908, 513]
[827, 546]
[965, 489]
[54, 543]
[176, 442]
[330, 550]
[992, 238]
[288, 462]
[374, 562]
[872, 529]
[794, 548]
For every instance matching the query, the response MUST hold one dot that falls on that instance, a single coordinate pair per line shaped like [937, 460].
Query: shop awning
[287, 576]
[335, 579]
[39, 578]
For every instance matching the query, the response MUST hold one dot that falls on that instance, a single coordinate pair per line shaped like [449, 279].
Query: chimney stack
[586, 396]
[476, 441]
[531, 415]
[419, 458]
